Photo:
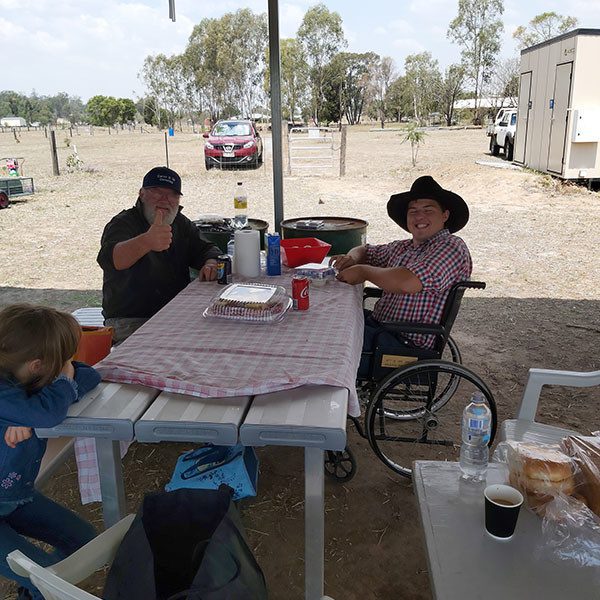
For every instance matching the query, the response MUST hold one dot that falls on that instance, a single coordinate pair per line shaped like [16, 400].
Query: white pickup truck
[502, 132]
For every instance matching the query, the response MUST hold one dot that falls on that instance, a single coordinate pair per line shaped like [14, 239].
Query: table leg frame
[111, 480]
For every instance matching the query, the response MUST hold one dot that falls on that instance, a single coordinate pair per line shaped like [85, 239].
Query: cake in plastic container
[250, 302]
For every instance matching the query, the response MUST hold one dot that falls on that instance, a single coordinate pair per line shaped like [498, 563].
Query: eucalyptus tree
[423, 79]
[543, 27]
[356, 85]
[505, 81]
[477, 28]
[399, 99]
[294, 78]
[165, 79]
[226, 57]
[322, 37]
[450, 89]
[382, 76]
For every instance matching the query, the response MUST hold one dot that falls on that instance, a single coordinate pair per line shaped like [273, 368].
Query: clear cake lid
[250, 302]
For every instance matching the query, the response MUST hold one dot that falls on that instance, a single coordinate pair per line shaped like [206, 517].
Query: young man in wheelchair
[416, 274]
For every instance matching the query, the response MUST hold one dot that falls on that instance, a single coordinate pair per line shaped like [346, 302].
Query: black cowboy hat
[427, 188]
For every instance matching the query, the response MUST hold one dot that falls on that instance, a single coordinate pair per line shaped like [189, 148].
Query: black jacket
[155, 279]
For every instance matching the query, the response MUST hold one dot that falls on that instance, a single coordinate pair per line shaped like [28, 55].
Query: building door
[523, 117]
[558, 121]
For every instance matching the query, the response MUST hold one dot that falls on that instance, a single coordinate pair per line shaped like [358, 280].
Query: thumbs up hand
[159, 236]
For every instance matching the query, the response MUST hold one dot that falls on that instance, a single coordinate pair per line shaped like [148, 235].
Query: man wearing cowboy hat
[415, 274]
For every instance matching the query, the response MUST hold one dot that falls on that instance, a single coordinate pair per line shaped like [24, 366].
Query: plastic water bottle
[240, 207]
[231, 252]
[474, 451]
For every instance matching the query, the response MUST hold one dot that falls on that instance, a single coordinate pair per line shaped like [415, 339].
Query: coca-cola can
[300, 293]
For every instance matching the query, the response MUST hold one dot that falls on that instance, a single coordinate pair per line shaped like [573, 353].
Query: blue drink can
[273, 254]
[224, 269]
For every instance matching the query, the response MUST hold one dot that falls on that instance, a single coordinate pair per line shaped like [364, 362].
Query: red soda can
[300, 293]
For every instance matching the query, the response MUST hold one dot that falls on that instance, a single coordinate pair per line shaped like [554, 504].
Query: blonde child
[38, 383]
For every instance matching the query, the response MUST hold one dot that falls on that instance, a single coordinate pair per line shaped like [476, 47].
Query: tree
[226, 59]
[356, 85]
[383, 74]
[322, 36]
[543, 27]
[295, 74]
[103, 110]
[416, 137]
[423, 80]
[450, 90]
[477, 29]
[127, 111]
[505, 81]
[398, 99]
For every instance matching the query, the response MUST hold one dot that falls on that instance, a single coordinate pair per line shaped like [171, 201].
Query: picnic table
[187, 378]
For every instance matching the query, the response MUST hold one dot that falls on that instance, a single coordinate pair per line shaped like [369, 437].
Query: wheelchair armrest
[410, 327]
[371, 292]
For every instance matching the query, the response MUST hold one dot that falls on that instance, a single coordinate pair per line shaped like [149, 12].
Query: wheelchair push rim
[410, 416]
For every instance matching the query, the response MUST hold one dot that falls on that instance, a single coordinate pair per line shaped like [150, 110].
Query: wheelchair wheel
[410, 418]
[340, 465]
[451, 352]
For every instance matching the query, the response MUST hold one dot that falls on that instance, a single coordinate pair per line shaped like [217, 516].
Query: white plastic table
[464, 562]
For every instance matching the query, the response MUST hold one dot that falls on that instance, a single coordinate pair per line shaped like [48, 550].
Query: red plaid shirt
[439, 263]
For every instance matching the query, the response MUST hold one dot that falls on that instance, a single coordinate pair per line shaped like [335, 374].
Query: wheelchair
[413, 398]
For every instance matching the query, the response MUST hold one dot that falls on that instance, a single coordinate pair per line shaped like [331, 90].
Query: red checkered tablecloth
[180, 351]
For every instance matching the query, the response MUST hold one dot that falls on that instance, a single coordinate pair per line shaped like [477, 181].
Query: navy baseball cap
[162, 177]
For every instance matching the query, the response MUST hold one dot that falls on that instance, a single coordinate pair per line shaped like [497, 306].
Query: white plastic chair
[57, 582]
[524, 427]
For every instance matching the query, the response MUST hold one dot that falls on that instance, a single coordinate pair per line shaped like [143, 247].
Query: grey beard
[150, 214]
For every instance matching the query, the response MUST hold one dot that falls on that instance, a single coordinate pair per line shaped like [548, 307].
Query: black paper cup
[502, 505]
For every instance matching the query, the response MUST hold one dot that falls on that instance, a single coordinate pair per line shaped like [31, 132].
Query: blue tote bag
[211, 466]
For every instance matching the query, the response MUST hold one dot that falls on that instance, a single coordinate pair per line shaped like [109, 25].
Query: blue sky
[88, 47]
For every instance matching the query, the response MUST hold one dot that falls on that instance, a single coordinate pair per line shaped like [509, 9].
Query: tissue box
[317, 273]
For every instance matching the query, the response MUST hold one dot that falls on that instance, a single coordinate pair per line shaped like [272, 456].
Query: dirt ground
[533, 240]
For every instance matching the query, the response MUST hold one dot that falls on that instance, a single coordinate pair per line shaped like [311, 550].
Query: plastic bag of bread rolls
[540, 471]
[585, 451]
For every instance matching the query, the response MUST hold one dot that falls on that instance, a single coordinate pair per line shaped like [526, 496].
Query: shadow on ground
[374, 547]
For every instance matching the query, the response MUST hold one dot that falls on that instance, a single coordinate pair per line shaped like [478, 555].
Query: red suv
[233, 143]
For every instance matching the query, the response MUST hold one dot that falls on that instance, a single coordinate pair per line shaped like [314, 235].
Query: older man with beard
[146, 253]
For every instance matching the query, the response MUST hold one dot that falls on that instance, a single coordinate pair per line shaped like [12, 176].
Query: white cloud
[402, 27]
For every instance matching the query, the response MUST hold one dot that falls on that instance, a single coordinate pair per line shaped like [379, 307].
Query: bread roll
[586, 452]
[540, 472]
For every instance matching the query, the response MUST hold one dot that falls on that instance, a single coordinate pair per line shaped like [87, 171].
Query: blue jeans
[44, 520]
[386, 338]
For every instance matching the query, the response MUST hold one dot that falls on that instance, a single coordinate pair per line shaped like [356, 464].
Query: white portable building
[13, 122]
[558, 124]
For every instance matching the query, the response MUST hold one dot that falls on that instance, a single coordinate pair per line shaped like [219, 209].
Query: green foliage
[294, 78]
[398, 99]
[41, 109]
[424, 82]
[477, 29]
[225, 61]
[450, 91]
[322, 36]
[543, 27]
[416, 137]
[104, 111]
[74, 163]
[382, 76]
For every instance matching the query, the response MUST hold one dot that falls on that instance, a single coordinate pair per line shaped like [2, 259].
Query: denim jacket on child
[45, 408]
